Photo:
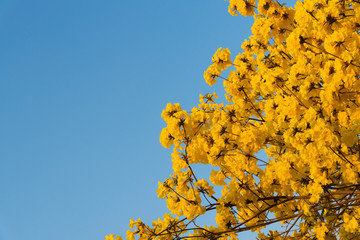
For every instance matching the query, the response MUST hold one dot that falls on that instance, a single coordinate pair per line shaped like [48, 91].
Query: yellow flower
[211, 74]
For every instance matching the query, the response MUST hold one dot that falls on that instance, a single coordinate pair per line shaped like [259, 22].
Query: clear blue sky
[82, 87]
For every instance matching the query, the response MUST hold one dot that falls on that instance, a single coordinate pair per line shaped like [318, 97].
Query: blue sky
[82, 87]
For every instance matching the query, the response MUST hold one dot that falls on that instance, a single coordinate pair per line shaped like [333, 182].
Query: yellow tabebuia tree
[294, 93]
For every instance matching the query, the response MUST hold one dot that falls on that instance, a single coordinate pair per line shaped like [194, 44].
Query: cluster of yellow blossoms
[294, 93]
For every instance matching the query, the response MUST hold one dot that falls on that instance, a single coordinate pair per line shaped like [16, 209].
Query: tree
[294, 92]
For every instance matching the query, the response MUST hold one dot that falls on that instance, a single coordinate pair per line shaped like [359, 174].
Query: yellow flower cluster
[294, 94]
[113, 237]
[221, 61]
